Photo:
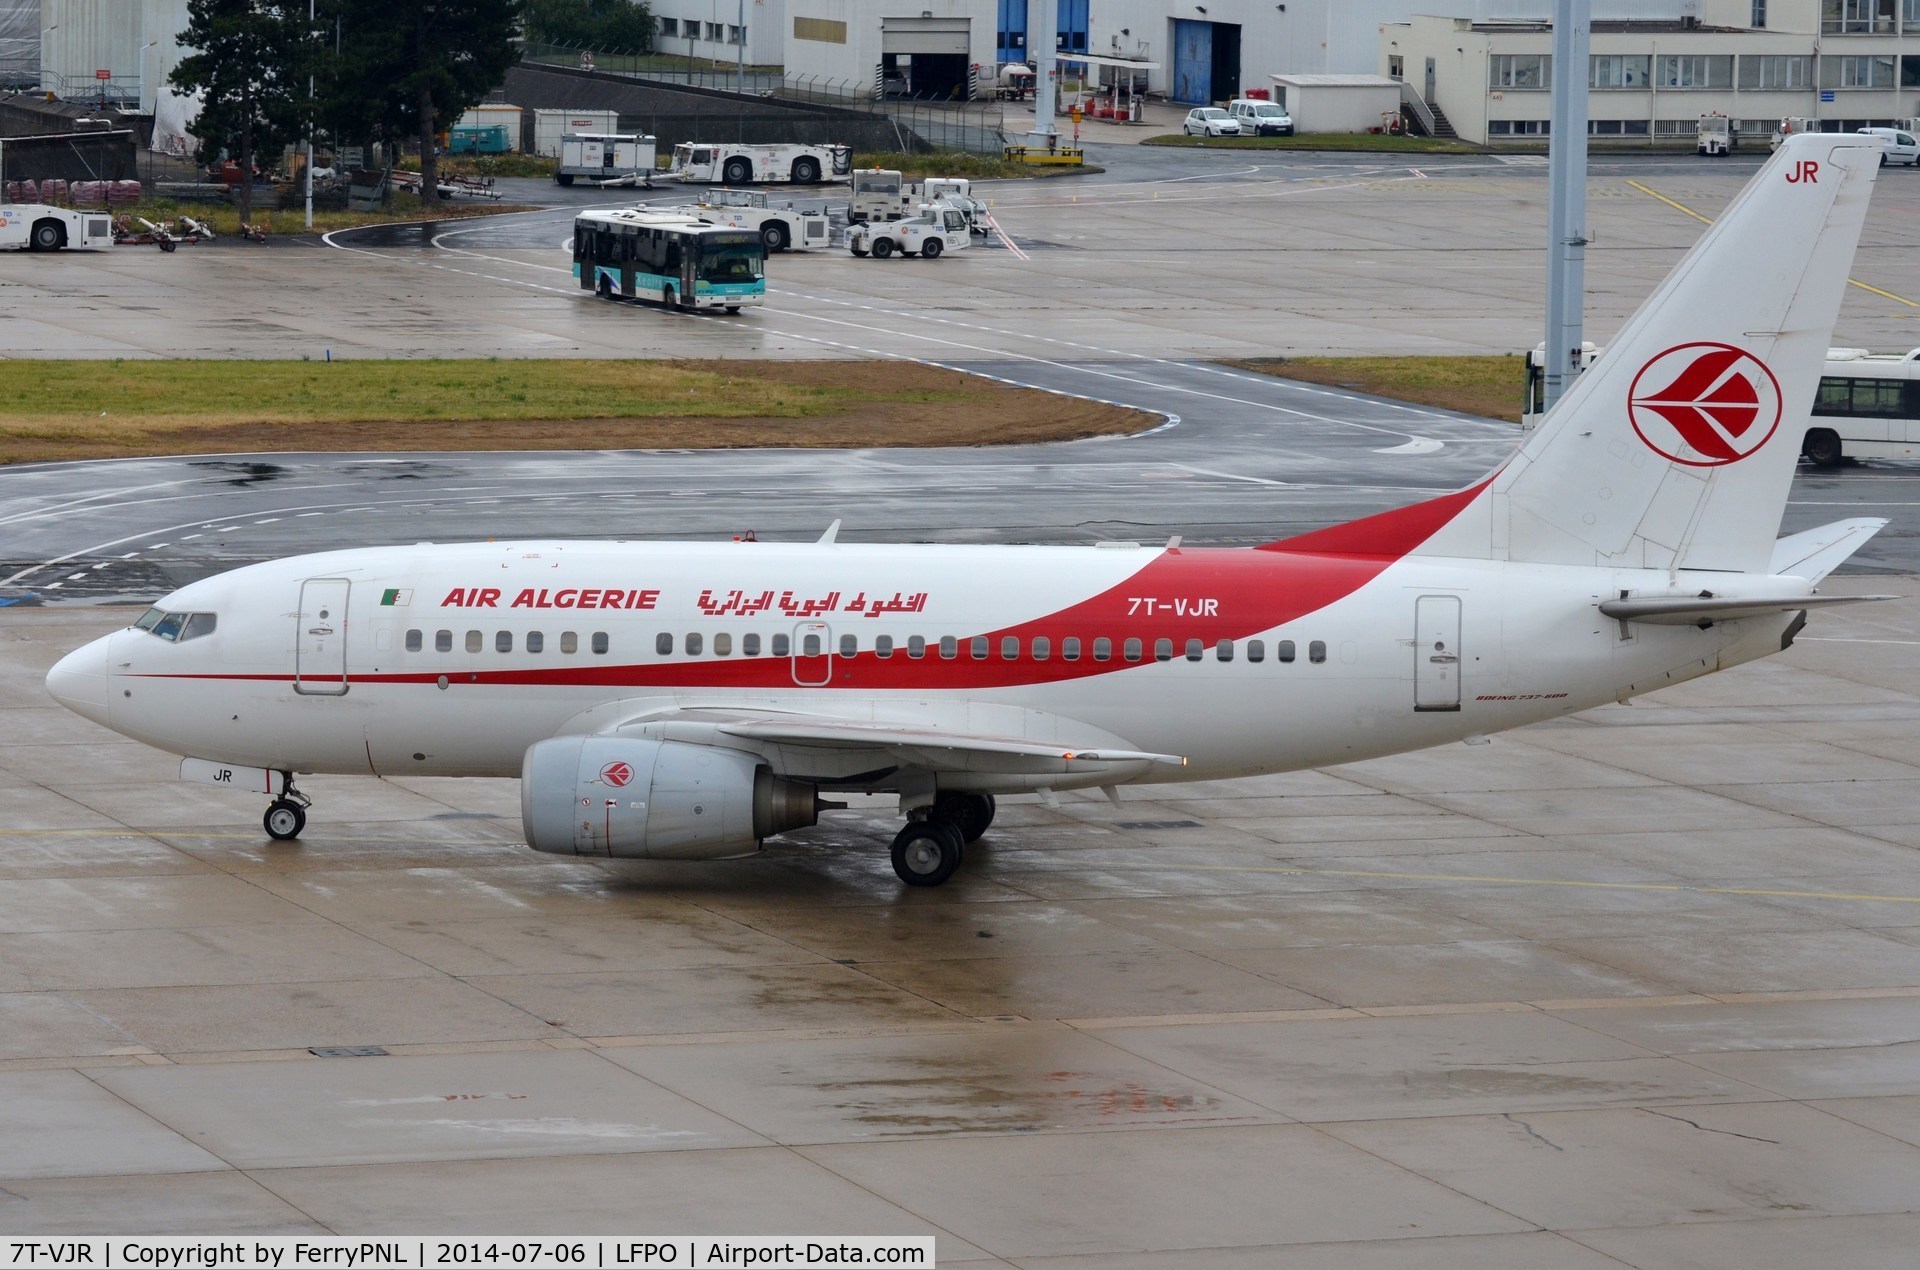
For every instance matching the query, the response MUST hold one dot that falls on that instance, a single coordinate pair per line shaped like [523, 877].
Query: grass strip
[53, 410]
[1491, 387]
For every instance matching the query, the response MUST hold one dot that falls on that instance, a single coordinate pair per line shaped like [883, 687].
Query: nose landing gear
[287, 815]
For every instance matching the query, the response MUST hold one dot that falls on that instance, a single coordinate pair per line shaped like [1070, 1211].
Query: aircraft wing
[821, 746]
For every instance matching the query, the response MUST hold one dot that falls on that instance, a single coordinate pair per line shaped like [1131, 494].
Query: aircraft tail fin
[1676, 450]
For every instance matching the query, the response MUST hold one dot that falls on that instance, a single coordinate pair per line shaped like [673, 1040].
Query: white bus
[633, 254]
[1868, 407]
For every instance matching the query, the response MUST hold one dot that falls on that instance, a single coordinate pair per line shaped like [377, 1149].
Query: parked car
[1211, 121]
[1261, 118]
[1897, 145]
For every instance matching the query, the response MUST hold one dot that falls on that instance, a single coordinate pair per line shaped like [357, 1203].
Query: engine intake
[654, 800]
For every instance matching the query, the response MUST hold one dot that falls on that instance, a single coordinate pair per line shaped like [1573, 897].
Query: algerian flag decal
[394, 597]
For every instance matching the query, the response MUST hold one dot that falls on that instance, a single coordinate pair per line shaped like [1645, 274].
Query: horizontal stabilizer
[1698, 610]
[1817, 552]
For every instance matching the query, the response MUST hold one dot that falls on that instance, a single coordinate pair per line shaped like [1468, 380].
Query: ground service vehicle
[1790, 125]
[1717, 137]
[881, 194]
[1868, 407]
[40, 227]
[605, 158]
[633, 254]
[741, 164]
[938, 230]
[781, 225]
[1261, 118]
[688, 700]
[1015, 82]
[1210, 121]
[1899, 145]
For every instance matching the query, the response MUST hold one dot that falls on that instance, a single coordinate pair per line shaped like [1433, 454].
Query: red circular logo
[617, 773]
[1705, 404]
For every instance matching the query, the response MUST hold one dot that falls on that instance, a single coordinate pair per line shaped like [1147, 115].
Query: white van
[1897, 145]
[1261, 118]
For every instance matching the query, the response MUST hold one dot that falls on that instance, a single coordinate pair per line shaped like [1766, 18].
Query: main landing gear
[928, 850]
[287, 815]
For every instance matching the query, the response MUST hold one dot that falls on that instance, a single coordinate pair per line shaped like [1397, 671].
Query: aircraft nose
[78, 681]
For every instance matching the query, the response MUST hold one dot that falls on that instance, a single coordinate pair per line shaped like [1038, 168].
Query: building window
[1910, 17]
[1617, 70]
[1694, 70]
[1676, 127]
[1520, 70]
[1856, 17]
[1856, 72]
[1518, 127]
[736, 35]
[669, 26]
[1776, 72]
[1759, 21]
[715, 30]
[1617, 127]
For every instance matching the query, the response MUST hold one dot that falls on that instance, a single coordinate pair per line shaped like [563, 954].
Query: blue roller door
[1192, 61]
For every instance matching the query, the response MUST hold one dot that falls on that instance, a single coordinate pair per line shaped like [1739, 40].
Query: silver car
[1211, 121]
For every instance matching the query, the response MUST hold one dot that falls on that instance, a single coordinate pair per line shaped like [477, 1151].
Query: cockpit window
[176, 627]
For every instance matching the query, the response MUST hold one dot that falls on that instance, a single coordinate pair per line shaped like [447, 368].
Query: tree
[250, 64]
[412, 65]
[607, 25]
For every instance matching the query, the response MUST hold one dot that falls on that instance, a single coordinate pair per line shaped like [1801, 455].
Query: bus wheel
[774, 235]
[882, 248]
[733, 308]
[666, 298]
[1823, 448]
[737, 172]
[605, 288]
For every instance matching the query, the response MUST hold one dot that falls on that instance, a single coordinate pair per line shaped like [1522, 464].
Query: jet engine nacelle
[654, 800]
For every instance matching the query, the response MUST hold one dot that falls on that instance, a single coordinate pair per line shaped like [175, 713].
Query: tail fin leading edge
[1677, 449]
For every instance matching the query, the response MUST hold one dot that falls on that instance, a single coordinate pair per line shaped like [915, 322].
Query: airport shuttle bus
[1868, 407]
[680, 262]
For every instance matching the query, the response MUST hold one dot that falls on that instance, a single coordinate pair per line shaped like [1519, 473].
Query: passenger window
[1131, 650]
[1042, 648]
[569, 642]
[781, 646]
[949, 647]
[722, 644]
[1283, 651]
[1070, 649]
[663, 644]
[849, 645]
[1163, 650]
[1224, 650]
[1196, 650]
[413, 641]
[475, 641]
[599, 641]
[503, 641]
[916, 646]
[1317, 651]
[749, 645]
[1256, 650]
[979, 647]
[810, 645]
[1009, 648]
[536, 642]
[443, 641]
[694, 643]
[1102, 648]
[883, 645]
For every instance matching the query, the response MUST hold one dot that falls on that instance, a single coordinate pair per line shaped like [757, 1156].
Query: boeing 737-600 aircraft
[687, 700]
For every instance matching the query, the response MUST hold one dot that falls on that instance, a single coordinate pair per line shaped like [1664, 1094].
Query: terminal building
[1657, 67]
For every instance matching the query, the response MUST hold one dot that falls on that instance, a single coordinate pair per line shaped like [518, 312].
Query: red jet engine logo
[1704, 404]
[617, 773]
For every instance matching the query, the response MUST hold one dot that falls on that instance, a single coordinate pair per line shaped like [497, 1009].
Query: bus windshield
[730, 264]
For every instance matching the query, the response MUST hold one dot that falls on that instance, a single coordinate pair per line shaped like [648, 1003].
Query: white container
[551, 125]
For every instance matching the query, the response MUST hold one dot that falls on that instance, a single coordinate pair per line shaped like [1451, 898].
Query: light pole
[150, 44]
[46, 60]
[312, 36]
[740, 56]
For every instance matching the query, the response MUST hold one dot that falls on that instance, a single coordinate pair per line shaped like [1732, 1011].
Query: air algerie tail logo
[1705, 404]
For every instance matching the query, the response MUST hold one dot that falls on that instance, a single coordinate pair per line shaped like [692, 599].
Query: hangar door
[933, 55]
[1206, 61]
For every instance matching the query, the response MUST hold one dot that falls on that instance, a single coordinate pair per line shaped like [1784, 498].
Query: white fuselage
[452, 660]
